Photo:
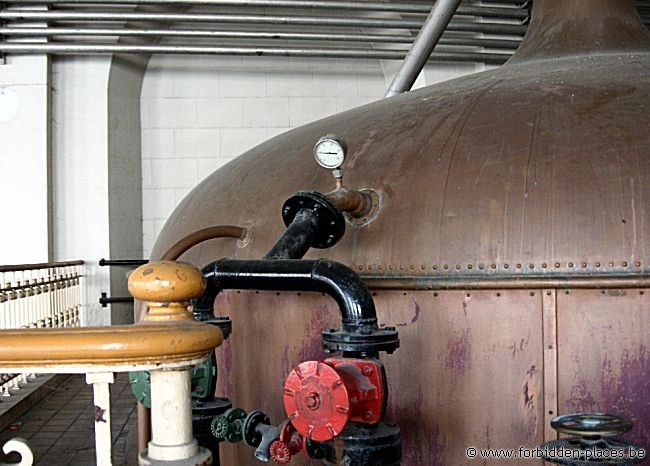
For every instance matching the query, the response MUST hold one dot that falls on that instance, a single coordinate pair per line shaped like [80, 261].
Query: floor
[60, 427]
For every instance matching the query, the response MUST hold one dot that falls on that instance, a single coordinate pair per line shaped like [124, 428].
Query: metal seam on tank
[572, 268]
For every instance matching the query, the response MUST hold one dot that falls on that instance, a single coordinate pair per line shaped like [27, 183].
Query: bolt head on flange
[316, 401]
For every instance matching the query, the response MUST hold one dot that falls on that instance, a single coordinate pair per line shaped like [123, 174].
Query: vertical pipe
[426, 40]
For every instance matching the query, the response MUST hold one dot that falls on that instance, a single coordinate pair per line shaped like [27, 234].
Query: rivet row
[491, 266]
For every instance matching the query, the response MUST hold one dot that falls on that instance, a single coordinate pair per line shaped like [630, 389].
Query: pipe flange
[252, 437]
[362, 341]
[331, 222]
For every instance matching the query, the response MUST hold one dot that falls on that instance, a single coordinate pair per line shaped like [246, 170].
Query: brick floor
[60, 428]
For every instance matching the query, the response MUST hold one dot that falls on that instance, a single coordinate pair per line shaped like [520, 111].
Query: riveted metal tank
[512, 249]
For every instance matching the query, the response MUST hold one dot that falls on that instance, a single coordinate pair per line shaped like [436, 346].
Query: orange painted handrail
[141, 344]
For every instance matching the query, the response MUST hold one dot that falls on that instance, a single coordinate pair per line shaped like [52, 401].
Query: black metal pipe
[357, 308]
[123, 262]
[297, 238]
[105, 300]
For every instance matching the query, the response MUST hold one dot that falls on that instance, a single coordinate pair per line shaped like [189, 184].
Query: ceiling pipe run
[64, 49]
[412, 8]
[426, 40]
[294, 20]
[22, 31]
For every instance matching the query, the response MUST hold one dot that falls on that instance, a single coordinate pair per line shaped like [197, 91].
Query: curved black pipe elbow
[357, 308]
[350, 292]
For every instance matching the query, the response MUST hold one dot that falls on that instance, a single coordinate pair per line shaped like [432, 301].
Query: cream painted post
[101, 382]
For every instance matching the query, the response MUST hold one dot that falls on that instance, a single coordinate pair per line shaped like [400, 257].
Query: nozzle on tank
[360, 206]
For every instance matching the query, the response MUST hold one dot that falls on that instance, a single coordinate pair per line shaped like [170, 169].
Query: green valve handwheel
[219, 427]
[228, 426]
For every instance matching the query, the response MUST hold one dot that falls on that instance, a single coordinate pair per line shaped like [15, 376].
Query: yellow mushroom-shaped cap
[166, 282]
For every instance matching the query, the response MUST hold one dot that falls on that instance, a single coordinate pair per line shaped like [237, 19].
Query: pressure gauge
[330, 151]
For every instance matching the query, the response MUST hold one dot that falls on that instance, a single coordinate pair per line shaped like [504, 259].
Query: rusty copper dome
[539, 166]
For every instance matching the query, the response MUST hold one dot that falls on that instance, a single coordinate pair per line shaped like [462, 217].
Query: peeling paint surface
[416, 316]
[605, 358]
[458, 352]
[630, 392]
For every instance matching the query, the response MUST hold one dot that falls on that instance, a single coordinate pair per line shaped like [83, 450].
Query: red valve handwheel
[290, 437]
[316, 401]
[280, 453]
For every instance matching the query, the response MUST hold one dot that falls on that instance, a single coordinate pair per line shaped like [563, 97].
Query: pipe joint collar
[364, 340]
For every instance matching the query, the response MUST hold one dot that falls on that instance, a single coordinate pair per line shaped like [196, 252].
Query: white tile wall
[303, 110]
[220, 113]
[235, 141]
[197, 143]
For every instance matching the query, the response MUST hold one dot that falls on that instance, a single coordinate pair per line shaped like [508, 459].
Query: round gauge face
[329, 152]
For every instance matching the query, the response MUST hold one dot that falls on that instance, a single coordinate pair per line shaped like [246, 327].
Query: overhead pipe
[99, 16]
[415, 8]
[65, 49]
[253, 35]
[426, 40]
